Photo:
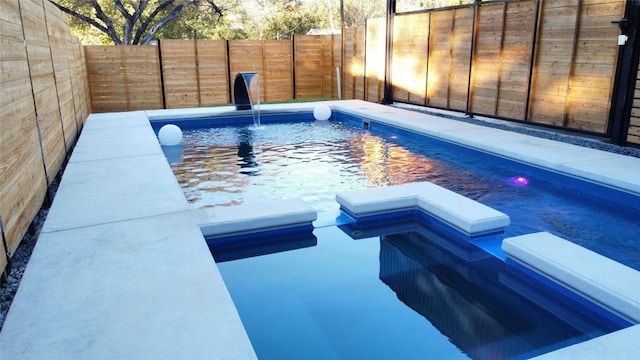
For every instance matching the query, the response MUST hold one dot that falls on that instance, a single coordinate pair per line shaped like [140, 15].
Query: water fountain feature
[246, 94]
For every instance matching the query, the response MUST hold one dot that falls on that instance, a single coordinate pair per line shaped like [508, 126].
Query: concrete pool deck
[121, 268]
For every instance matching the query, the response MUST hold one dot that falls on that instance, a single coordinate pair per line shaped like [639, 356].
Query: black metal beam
[388, 84]
[626, 74]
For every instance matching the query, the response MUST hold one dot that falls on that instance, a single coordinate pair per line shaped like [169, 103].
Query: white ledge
[253, 217]
[604, 281]
[467, 215]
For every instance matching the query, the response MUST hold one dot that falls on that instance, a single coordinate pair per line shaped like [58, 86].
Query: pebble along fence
[44, 101]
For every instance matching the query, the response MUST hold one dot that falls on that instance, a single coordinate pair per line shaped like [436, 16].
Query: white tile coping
[463, 213]
[247, 218]
[622, 344]
[596, 277]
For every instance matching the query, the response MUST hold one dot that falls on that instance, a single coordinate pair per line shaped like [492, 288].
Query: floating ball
[170, 135]
[322, 112]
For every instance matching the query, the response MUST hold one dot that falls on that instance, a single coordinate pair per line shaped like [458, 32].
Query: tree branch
[82, 17]
[111, 31]
[215, 8]
[128, 21]
[154, 29]
[145, 24]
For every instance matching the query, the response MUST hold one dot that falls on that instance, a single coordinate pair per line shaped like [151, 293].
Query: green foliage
[413, 5]
[131, 21]
[287, 19]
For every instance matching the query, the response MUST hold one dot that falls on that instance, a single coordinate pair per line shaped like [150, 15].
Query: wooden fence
[43, 105]
[633, 134]
[193, 73]
[548, 62]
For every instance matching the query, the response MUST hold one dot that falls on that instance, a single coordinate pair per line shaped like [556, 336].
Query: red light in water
[520, 180]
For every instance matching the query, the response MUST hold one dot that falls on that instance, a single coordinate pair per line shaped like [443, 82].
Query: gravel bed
[23, 253]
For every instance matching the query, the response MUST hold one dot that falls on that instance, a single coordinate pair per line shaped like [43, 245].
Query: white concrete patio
[121, 268]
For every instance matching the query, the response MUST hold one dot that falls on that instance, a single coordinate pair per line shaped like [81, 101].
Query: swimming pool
[233, 164]
[400, 291]
[254, 300]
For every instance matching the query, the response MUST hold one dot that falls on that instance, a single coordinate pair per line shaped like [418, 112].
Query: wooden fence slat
[213, 72]
[375, 59]
[32, 43]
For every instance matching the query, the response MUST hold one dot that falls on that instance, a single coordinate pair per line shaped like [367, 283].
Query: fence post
[163, 90]
[472, 51]
[293, 64]
[532, 61]
[626, 75]
[387, 97]
[229, 97]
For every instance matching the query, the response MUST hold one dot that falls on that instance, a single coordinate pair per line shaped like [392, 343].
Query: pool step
[606, 282]
[464, 214]
[247, 218]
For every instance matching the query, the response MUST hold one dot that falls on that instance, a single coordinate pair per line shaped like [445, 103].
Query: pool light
[170, 135]
[519, 180]
[322, 112]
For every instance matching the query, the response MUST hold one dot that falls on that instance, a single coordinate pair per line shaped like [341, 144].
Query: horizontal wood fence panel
[22, 180]
[332, 59]
[213, 70]
[309, 61]
[633, 134]
[142, 76]
[375, 59]
[123, 78]
[461, 62]
[45, 92]
[558, 70]
[246, 56]
[354, 62]
[594, 66]
[180, 73]
[554, 55]
[78, 83]
[410, 49]
[515, 59]
[440, 60]
[37, 101]
[278, 70]
[60, 43]
[105, 69]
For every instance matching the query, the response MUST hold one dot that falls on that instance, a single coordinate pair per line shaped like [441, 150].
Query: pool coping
[137, 292]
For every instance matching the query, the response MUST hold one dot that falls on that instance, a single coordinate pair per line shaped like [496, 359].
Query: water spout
[246, 94]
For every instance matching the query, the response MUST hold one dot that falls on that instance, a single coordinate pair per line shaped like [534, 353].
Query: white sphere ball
[322, 112]
[170, 135]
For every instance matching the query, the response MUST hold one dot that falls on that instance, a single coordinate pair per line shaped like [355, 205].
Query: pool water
[399, 295]
[223, 166]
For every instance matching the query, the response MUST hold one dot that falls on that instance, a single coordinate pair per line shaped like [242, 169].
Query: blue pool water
[393, 294]
[234, 164]
[402, 291]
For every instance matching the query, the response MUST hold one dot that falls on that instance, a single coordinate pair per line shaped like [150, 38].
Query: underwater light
[519, 180]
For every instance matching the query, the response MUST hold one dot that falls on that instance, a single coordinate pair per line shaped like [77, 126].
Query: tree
[197, 23]
[287, 18]
[356, 12]
[139, 20]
